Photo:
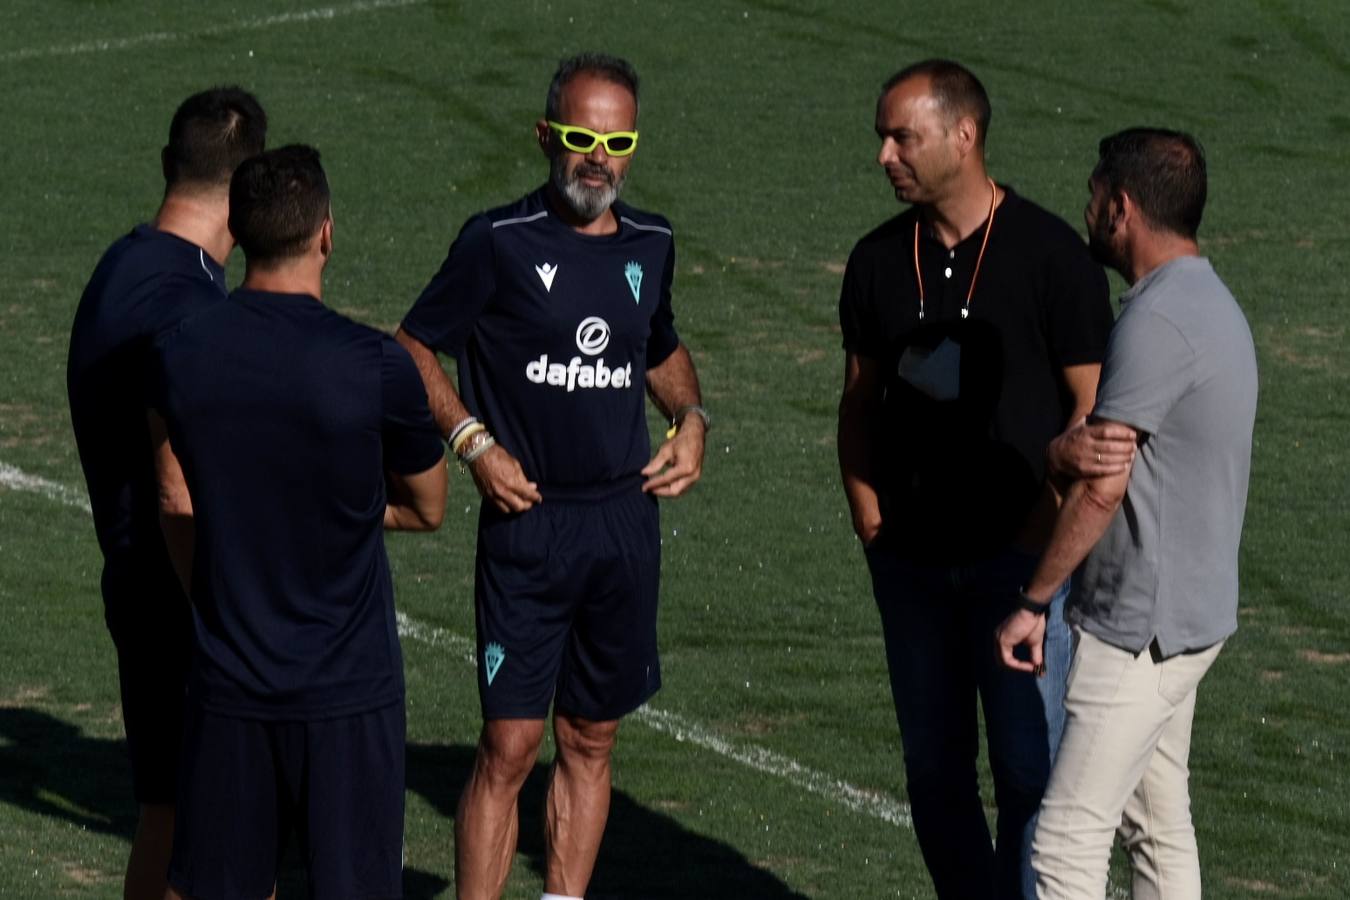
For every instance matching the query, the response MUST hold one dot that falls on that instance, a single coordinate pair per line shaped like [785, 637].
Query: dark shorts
[151, 627]
[246, 785]
[566, 608]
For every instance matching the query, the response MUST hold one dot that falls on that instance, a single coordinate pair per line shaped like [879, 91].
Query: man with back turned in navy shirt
[557, 308]
[296, 434]
[147, 280]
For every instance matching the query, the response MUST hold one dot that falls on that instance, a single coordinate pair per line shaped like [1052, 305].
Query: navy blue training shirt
[145, 282]
[285, 417]
[554, 332]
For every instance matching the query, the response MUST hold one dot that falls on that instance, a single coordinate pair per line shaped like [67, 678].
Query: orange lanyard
[974, 276]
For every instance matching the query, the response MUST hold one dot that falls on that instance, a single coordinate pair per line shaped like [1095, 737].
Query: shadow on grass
[645, 854]
[51, 768]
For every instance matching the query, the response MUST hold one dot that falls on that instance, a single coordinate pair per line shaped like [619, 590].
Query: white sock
[559, 897]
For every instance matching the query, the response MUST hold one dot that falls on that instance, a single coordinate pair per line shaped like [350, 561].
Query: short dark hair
[1163, 171]
[955, 88]
[213, 132]
[601, 65]
[278, 200]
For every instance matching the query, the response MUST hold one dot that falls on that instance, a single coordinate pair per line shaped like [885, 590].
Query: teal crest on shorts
[493, 657]
[633, 272]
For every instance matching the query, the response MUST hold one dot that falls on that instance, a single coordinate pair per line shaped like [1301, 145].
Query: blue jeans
[938, 622]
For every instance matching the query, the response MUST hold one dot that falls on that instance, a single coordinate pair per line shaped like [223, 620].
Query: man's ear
[1120, 210]
[543, 134]
[326, 238]
[967, 134]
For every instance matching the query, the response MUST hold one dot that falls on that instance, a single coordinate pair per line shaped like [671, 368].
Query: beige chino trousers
[1122, 769]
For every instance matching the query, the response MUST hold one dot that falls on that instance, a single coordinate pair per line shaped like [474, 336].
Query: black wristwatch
[1025, 602]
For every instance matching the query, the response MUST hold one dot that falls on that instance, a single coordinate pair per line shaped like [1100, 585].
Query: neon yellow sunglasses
[583, 140]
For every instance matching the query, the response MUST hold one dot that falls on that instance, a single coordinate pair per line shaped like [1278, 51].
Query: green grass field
[769, 766]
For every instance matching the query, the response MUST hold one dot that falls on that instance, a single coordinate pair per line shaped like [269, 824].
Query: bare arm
[859, 408]
[678, 462]
[497, 474]
[175, 503]
[446, 407]
[1087, 450]
[1088, 507]
[415, 502]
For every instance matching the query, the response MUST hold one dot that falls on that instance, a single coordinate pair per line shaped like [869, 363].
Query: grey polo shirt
[1181, 369]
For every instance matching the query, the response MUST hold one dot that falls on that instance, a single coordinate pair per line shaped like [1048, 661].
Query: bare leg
[148, 866]
[486, 824]
[578, 802]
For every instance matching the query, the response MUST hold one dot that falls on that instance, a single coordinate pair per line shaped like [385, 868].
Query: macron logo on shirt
[546, 273]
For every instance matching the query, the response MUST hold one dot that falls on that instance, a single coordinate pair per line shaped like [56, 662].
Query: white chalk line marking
[871, 803]
[760, 759]
[18, 480]
[322, 13]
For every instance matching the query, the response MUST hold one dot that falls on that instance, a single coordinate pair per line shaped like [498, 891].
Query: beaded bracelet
[478, 449]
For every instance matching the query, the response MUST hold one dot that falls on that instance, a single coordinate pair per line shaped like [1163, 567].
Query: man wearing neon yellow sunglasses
[558, 309]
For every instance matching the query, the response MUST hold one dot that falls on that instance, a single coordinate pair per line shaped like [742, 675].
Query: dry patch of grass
[25, 696]
[85, 876]
[1324, 659]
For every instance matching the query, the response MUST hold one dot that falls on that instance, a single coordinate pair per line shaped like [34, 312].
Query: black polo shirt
[285, 417]
[554, 332]
[961, 459]
[145, 282]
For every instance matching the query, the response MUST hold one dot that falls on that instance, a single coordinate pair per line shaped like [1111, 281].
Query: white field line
[104, 45]
[760, 759]
[19, 480]
[870, 803]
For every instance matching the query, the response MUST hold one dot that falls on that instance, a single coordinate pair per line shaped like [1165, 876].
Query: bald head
[954, 88]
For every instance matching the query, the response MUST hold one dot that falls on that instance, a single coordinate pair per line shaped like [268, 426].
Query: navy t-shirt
[285, 417]
[554, 332]
[145, 282]
[971, 402]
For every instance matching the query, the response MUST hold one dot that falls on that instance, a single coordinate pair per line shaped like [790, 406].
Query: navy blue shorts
[151, 627]
[246, 785]
[565, 598]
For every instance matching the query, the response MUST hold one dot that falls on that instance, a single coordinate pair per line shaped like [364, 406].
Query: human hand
[867, 529]
[502, 482]
[1092, 451]
[1022, 627]
[678, 462]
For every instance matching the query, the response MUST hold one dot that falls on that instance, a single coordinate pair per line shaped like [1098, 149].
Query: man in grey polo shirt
[1157, 593]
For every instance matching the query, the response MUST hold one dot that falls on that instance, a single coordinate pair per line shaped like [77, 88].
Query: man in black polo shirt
[974, 326]
[146, 281]
[558, 309]
[299, 434]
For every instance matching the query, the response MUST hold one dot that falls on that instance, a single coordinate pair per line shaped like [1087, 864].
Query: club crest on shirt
[493, 657]
[633, 272]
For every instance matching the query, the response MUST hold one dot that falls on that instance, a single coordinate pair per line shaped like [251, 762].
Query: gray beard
[588, 203]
